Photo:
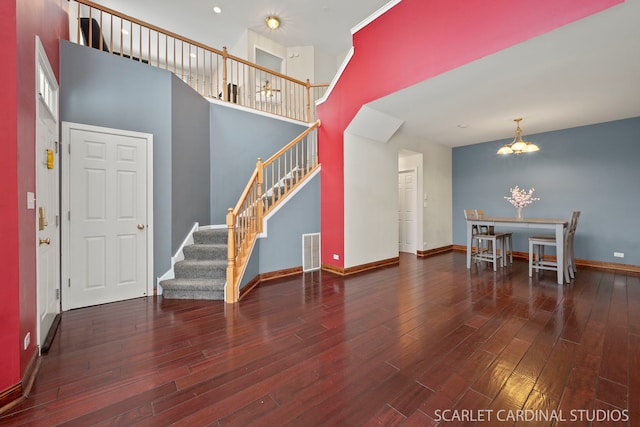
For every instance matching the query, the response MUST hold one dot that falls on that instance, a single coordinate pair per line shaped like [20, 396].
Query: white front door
[47, 195]
[108, 217]
[407, 211]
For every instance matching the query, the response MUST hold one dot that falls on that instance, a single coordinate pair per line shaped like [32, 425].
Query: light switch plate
[31, 200]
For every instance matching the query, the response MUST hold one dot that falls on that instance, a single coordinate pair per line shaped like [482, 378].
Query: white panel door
[47, 195]
[107, 219]
[407, 211]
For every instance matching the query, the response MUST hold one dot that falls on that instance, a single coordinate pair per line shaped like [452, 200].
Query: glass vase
[520, 213]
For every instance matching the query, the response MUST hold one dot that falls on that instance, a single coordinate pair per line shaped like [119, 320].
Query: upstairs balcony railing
[211, 72]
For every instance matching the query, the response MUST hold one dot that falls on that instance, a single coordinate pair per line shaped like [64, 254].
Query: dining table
[534, 224]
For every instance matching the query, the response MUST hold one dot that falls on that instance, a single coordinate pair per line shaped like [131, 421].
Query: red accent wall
[9, 314]
[21, 21]
[414, 41]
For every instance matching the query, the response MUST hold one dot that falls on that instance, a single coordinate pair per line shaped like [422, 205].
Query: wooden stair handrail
[246, 206]
[297, 139]
[245, 193]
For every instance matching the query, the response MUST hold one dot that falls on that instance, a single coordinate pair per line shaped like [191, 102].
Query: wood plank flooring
[424, 343]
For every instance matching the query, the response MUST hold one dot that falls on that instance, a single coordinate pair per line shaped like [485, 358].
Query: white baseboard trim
[178, 256]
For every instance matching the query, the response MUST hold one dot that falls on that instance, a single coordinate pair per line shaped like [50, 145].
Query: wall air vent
[311, 252]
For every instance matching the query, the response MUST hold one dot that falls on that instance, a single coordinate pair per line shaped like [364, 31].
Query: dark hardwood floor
[423, 343]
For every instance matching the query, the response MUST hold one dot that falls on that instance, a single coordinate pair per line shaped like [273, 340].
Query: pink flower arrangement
[520, 197]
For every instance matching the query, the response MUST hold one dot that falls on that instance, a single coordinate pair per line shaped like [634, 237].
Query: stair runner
[202, 273]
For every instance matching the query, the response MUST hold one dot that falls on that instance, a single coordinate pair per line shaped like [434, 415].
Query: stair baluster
[245, 221]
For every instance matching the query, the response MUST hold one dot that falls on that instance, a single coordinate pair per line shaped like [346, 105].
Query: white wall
[341, 58]
[240, 49]
[438, 228]
[300, 62]
[325, 66]
[309, 62]
[437, 186]
[371, 201]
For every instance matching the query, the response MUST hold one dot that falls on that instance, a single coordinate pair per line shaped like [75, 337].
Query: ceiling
[583, 73]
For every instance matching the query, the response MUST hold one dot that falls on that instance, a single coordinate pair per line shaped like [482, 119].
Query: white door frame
[67, 127]
[414, 171]
[256, 48]
[49, 100]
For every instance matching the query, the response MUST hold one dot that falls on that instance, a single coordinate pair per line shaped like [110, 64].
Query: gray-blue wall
[203, 154]
[593, 169]
[190, 160]
[282, 248]
[238, 138]
[101, 89]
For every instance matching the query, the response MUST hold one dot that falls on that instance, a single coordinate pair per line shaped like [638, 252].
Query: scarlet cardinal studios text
[480, 415]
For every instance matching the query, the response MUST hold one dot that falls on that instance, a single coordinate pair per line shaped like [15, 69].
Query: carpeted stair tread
[209, 289]
[200, 269]
[211, 236]
[205, 251]
[193, 284]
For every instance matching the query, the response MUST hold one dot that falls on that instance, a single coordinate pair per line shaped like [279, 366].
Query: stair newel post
[231, 294]
[260, 204]
[308, 86]
[225, 55]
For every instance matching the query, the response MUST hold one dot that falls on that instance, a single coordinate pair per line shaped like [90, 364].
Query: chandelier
[518, 145]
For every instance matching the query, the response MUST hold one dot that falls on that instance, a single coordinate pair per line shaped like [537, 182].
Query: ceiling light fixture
[518, 145]
[273, 22]
[217, 9]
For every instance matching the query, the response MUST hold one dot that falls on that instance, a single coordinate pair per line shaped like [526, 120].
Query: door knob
[140, 226]
[45, 241]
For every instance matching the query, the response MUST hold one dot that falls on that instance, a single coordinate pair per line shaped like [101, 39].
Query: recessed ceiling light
[217, 9]
[463, 125]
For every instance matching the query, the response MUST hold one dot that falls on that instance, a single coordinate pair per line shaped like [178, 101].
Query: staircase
[212, 267]
[202, 273]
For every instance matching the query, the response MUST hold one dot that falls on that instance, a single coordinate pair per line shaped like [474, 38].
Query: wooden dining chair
[537, 244]
[471, 214]
[487, 243]
[570, 255]
[507, 242]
